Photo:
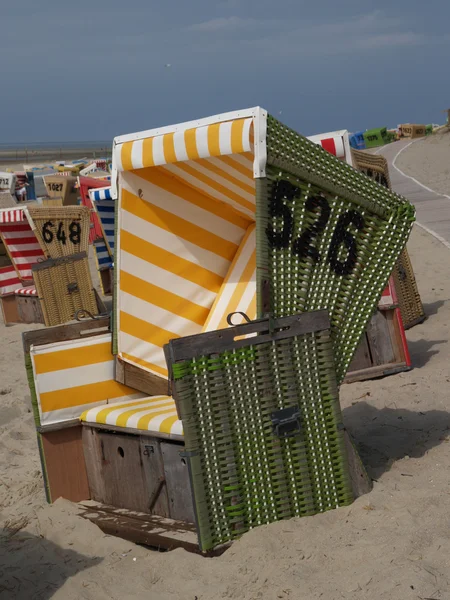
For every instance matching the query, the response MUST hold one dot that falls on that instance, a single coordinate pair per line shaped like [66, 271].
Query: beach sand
[390, 544]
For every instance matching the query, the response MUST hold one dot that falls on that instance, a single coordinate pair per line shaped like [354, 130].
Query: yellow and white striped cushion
[156, 414]
[75, 375]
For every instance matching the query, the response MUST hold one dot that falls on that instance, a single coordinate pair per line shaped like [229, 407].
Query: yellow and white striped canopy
[218, 139]
[75, 375]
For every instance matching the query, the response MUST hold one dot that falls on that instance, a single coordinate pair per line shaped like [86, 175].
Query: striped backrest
[103, 193]
[84, 185]
[73, 376]
[238, 291]
[9, 280]
[102, 254]
[20, 241]
[335, 142]
[104, 206]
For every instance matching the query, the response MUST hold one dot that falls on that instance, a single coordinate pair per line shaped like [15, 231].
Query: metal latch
[286, 422]
[148, 450]
[72, 287]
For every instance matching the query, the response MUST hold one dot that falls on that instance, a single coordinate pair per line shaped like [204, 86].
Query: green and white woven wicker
[327, 237]
[263, 431]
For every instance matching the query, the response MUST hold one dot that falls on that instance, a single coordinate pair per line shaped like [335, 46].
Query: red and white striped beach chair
[20, 242]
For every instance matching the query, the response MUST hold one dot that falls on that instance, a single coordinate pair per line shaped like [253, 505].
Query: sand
[390, 544]
[428, 160]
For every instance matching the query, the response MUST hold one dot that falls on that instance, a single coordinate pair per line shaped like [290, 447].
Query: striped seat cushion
[26, 291]
[9, 281]
[156, 414]
[102, 255]
[105, 210]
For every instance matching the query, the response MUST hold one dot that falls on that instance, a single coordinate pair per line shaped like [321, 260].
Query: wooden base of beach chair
[107, 281]
[155, 530]
[63, 464]
[29, 309]
[382, 350]
[149, 530]
[9, 309]
[137, 472]
[140, 380]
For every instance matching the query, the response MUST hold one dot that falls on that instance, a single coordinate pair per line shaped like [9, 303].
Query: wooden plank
[61, 333]
[9, 309]
[61, 260]
[397, 340]
[100, 304]
[376, 371]
[64, 465]
[362, 358]
[158, 500]
[178, 483]
[58, 426]
[93, 459]
[140, 380]
[380, 341]
[212, 342]
[122, 472]
[360, 480]
[29, 309]
[105, 276]
[151, 530]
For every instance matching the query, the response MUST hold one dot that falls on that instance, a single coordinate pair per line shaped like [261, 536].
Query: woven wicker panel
[243, 472]
[64, 286]
[409, 301]
[328, 237]
[61, 231]
[372, 165]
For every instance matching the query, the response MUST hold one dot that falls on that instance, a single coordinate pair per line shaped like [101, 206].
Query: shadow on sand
[33, 568]
[422, 350]
[386, 435]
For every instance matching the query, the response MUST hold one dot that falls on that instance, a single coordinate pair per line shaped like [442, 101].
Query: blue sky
[91, 70]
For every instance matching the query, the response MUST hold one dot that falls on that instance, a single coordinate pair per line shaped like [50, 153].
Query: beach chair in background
[24, 251]
[412, 130]
[336, 143]
[7, 182]
[104, 206]
[356, 140]
[404, 281]
[234, 214]
[84, 185]
[61, 190]
[375, 137]
[105, 266]
[63, 281]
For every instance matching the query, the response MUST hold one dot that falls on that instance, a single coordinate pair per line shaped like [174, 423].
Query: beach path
[432, 208]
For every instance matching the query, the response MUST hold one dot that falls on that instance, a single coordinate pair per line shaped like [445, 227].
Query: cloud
[390, 39]
[221, 24]
[300, 38]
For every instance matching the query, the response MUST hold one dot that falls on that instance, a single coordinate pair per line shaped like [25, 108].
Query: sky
[92, 70]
